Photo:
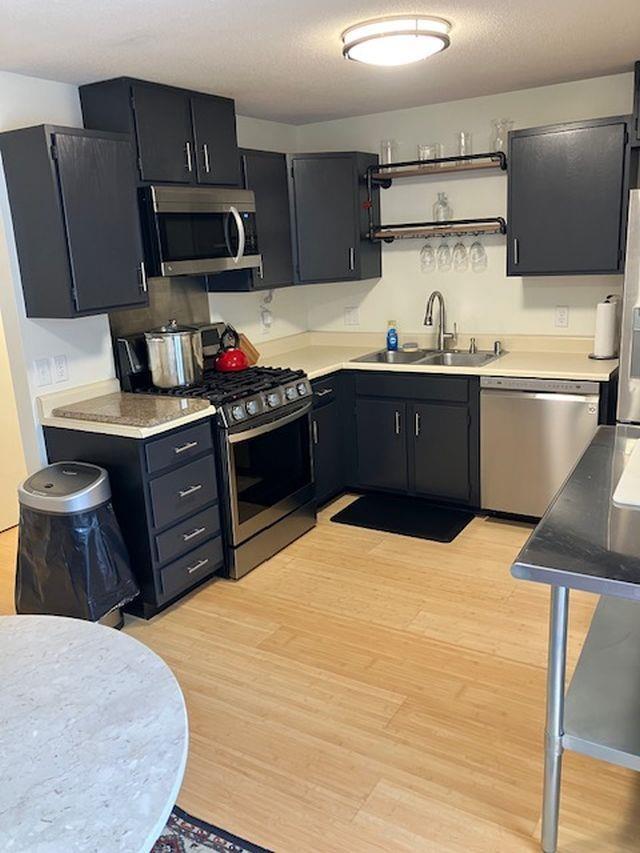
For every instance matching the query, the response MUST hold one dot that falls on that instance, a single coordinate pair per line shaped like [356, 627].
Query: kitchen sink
[459, 358]
[396, 357]
[449, 358]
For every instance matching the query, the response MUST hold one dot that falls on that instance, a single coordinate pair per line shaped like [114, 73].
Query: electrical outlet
[562, 316]
[60, 371]
[352, 316]
[43, 371]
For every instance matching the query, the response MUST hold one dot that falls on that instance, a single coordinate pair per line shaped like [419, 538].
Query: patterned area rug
[186, 834]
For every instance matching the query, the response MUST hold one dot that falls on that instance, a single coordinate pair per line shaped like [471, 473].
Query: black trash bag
[72, 565]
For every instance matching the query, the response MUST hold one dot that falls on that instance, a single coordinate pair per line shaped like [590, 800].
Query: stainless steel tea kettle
[175, 355]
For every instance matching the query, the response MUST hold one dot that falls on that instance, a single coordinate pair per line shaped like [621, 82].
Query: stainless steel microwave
[199, 230]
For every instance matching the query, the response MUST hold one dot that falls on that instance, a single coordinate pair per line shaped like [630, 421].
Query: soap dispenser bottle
[392, 336]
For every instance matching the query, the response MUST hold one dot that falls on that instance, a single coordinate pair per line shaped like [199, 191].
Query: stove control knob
[302, 389]
[291, 392]
[238, 413]
[252, 407]
[273, 399]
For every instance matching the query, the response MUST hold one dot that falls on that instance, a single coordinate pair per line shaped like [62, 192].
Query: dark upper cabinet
[264, 172]
[329, 218]
[566, 201]
[181, 136]
[74, 208]
[381, 438]
[162, 118]
[215, 140]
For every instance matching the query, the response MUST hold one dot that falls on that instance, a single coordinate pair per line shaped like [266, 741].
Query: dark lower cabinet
[418, 434]
[329, 434]
[381, 428]
[165, 497]
[567, 198]
[75, 217]
[440, 451]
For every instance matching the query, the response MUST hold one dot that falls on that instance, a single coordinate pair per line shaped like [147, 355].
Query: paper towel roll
[605, 343]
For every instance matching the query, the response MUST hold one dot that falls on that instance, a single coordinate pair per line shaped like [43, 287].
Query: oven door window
[270, 468]
[201, 236]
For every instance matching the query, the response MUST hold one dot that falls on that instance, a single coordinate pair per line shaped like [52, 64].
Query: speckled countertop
[133, 415]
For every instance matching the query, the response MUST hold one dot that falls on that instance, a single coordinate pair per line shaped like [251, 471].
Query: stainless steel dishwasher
[532, 433]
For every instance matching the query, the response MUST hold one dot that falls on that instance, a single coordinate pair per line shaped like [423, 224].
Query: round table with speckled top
[93, 738]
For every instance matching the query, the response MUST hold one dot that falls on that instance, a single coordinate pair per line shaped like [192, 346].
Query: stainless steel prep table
[585, 542]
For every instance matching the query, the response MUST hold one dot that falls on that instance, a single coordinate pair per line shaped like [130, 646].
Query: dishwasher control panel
[542, 386]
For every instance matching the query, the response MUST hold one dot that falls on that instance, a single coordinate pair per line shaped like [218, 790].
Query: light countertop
[103, 408]
[319, 360]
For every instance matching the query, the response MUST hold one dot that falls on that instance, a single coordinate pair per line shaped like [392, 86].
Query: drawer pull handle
[190, 490]
[198, 565]
[324, 392]
[188, 446]
[197, 532]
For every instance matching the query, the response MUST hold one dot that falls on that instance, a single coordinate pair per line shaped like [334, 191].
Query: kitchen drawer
[409, 386]
[324, 391]
[188, 534]
[183, 492]
[178, 447]
[189, 570]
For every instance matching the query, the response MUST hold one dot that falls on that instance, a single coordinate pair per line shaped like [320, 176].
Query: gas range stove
[246, 395]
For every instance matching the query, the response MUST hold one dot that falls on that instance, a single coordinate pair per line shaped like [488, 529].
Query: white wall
[26, 101]
[486, 302]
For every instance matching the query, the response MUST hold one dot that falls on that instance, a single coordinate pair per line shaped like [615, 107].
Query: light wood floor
[368, 692]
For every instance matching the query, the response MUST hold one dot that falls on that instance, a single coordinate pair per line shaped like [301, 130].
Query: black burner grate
[222, 388]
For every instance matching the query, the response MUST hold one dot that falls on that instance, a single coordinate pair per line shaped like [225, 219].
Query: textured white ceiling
[281, 59]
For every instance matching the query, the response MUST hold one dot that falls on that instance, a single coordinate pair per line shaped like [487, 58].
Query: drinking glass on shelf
[427, 259]
[442, 209]
[426, 152]
[478, 257]
[465, 143]
[501, 128]
[443, 257]
[460, 258]
[388, 149]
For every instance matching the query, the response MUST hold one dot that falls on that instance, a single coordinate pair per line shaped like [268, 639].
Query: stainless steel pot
[175, 355]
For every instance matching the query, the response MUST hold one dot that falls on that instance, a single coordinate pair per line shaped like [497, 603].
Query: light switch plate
[43, 372]
[562, 316]
[351, 315]
[60, 370]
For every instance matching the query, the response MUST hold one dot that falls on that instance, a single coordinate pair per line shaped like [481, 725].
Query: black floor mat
[405, 515]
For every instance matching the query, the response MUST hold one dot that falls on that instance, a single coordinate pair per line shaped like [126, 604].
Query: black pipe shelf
[450, 228]
[384, 176]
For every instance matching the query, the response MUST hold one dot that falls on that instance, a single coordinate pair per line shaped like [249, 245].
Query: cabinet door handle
[186, 537]
[397, 422]
[352, 258]
[188, 446]
[198, 565]
[416, 424]
[516, 250]
[323, 392]
[143, 277]
[314, 431]
[190, 490]
[189, 163]
[205, 154]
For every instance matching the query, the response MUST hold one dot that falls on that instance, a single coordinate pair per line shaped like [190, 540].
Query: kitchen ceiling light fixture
[397, 40]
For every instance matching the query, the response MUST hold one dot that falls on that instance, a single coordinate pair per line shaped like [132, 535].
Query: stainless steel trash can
[72, 560]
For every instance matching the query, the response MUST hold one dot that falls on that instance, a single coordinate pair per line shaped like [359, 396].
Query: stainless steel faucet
[443, 335]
